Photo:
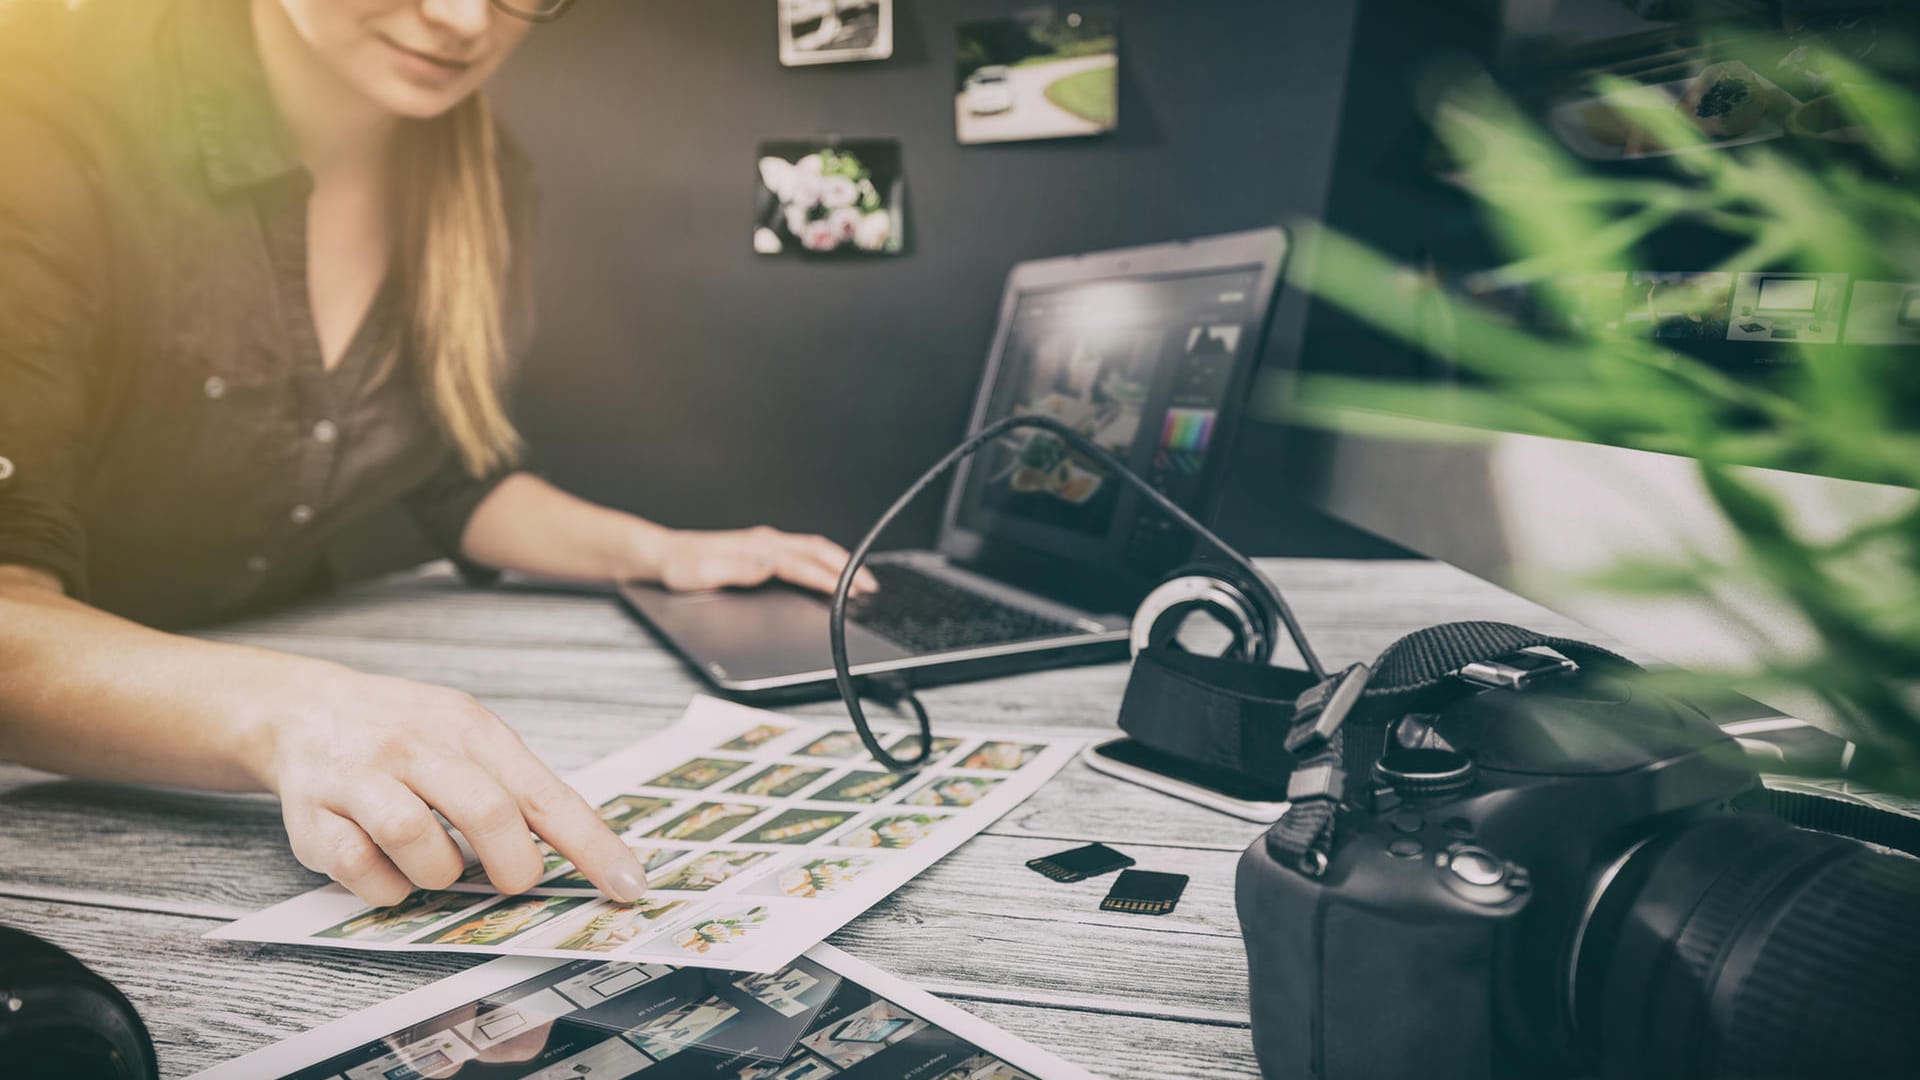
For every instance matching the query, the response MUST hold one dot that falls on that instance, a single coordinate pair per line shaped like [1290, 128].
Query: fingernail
[629, 883]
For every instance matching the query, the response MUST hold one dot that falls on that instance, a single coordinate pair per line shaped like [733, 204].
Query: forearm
[362, 763]
[88, 694]
[529, 526]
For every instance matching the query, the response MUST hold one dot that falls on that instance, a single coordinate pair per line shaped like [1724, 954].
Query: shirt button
[325, 431]
[301, 514]
[215, 388]
[6, 469]
[258, 564]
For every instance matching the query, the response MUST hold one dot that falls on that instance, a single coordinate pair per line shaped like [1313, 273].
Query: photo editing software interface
[1144, 368]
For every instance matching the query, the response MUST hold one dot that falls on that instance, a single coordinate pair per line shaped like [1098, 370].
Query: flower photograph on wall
[831, 199]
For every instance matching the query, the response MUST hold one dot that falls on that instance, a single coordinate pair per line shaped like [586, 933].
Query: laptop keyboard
[925, 614]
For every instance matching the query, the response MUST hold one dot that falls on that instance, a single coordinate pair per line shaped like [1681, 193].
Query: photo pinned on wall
[834, 198]
[1049, 73]
[835, 31]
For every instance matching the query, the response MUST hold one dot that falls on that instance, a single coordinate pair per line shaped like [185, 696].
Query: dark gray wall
[679, 375]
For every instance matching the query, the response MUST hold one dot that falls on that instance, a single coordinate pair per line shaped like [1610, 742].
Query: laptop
[1040, 559]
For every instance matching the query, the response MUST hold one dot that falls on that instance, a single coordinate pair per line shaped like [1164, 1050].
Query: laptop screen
[1145, 367]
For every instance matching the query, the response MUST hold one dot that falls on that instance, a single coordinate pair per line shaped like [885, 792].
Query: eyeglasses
[534, 10]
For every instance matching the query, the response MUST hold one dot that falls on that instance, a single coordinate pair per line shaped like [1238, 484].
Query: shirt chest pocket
[199, 443]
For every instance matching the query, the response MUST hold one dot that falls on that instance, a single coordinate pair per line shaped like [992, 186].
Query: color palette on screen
[1187, 429]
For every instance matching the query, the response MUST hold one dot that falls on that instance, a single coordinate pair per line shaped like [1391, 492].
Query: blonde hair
[453, 266]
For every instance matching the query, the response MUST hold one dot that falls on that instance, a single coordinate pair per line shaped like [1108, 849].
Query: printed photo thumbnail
[503, 921]
[708, 869]
[954, 791]
[780, 990]
[865, 1033]
[720, 933]
[814, 878]
[907, 747]
[982, 1066]
[599, 983]
[605, 926]
[901, 830]
[797, 826]
[779, 781]
[404, 919]
[863, 786]
[754, 738]
[674, 1031]
[707, 821]
[834, 744]
[623, 811]
[1003, 756]
[698, 773]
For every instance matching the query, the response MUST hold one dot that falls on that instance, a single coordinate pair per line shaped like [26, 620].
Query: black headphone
[1236, 594]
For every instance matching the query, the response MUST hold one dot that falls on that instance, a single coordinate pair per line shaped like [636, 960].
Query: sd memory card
[1144, 892]
[1080, 863]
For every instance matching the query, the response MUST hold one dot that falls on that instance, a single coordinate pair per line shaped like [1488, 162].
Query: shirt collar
[243, 141]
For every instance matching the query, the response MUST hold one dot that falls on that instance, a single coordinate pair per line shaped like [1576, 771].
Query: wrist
[645, 551]
[286, 693]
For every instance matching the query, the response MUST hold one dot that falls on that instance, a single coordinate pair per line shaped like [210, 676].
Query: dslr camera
[1551, 870]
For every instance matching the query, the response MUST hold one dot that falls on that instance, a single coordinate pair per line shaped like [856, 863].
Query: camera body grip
[1391, 921]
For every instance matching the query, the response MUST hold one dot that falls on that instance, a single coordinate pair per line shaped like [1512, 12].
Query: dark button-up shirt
[171, 444]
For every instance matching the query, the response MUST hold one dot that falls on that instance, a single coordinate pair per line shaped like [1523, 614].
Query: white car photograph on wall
[1046, 74]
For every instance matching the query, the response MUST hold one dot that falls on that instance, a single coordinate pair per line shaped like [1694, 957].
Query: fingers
[808, 573]
[404, 828]
[834, 558]
[473, 800]
[815, 562]
[562, 818]
[329, 844]
[749, 557]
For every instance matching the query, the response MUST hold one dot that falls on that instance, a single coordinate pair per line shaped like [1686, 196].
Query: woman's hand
[361, 773]
[689, 561]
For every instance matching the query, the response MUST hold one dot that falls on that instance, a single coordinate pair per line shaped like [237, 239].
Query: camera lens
[57, 1019]
[1740, 946]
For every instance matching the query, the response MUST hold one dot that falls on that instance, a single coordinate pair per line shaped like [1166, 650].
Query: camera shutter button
[1476, 867]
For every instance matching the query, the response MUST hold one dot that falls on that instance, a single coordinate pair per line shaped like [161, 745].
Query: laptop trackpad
[753, 634]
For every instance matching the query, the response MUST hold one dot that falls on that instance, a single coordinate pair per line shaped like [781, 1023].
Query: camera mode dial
[1424, 772]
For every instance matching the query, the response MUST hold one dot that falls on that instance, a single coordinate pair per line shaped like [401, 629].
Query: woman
[261, 270]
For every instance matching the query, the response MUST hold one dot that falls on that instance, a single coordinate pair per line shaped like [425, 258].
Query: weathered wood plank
[578, 677]
[931, 928]
[208, 1002]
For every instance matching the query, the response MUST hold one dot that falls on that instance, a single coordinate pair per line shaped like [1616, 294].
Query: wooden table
[128, 879]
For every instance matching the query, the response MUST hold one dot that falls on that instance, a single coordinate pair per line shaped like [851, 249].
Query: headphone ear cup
[1241, 606]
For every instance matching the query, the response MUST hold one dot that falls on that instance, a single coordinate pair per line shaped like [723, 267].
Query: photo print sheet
[761, 834]
[520, 1018]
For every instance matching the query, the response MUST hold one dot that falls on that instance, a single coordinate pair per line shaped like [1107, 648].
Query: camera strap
[1213, 711]
[1412, 666]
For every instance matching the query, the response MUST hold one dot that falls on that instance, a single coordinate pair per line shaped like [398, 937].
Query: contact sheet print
[824, 1015]
[761, 834]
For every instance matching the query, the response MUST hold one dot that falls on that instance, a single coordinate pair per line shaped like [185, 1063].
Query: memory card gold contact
[1144, 892]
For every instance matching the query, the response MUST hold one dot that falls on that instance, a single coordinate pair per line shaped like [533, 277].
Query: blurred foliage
[1800, 205]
